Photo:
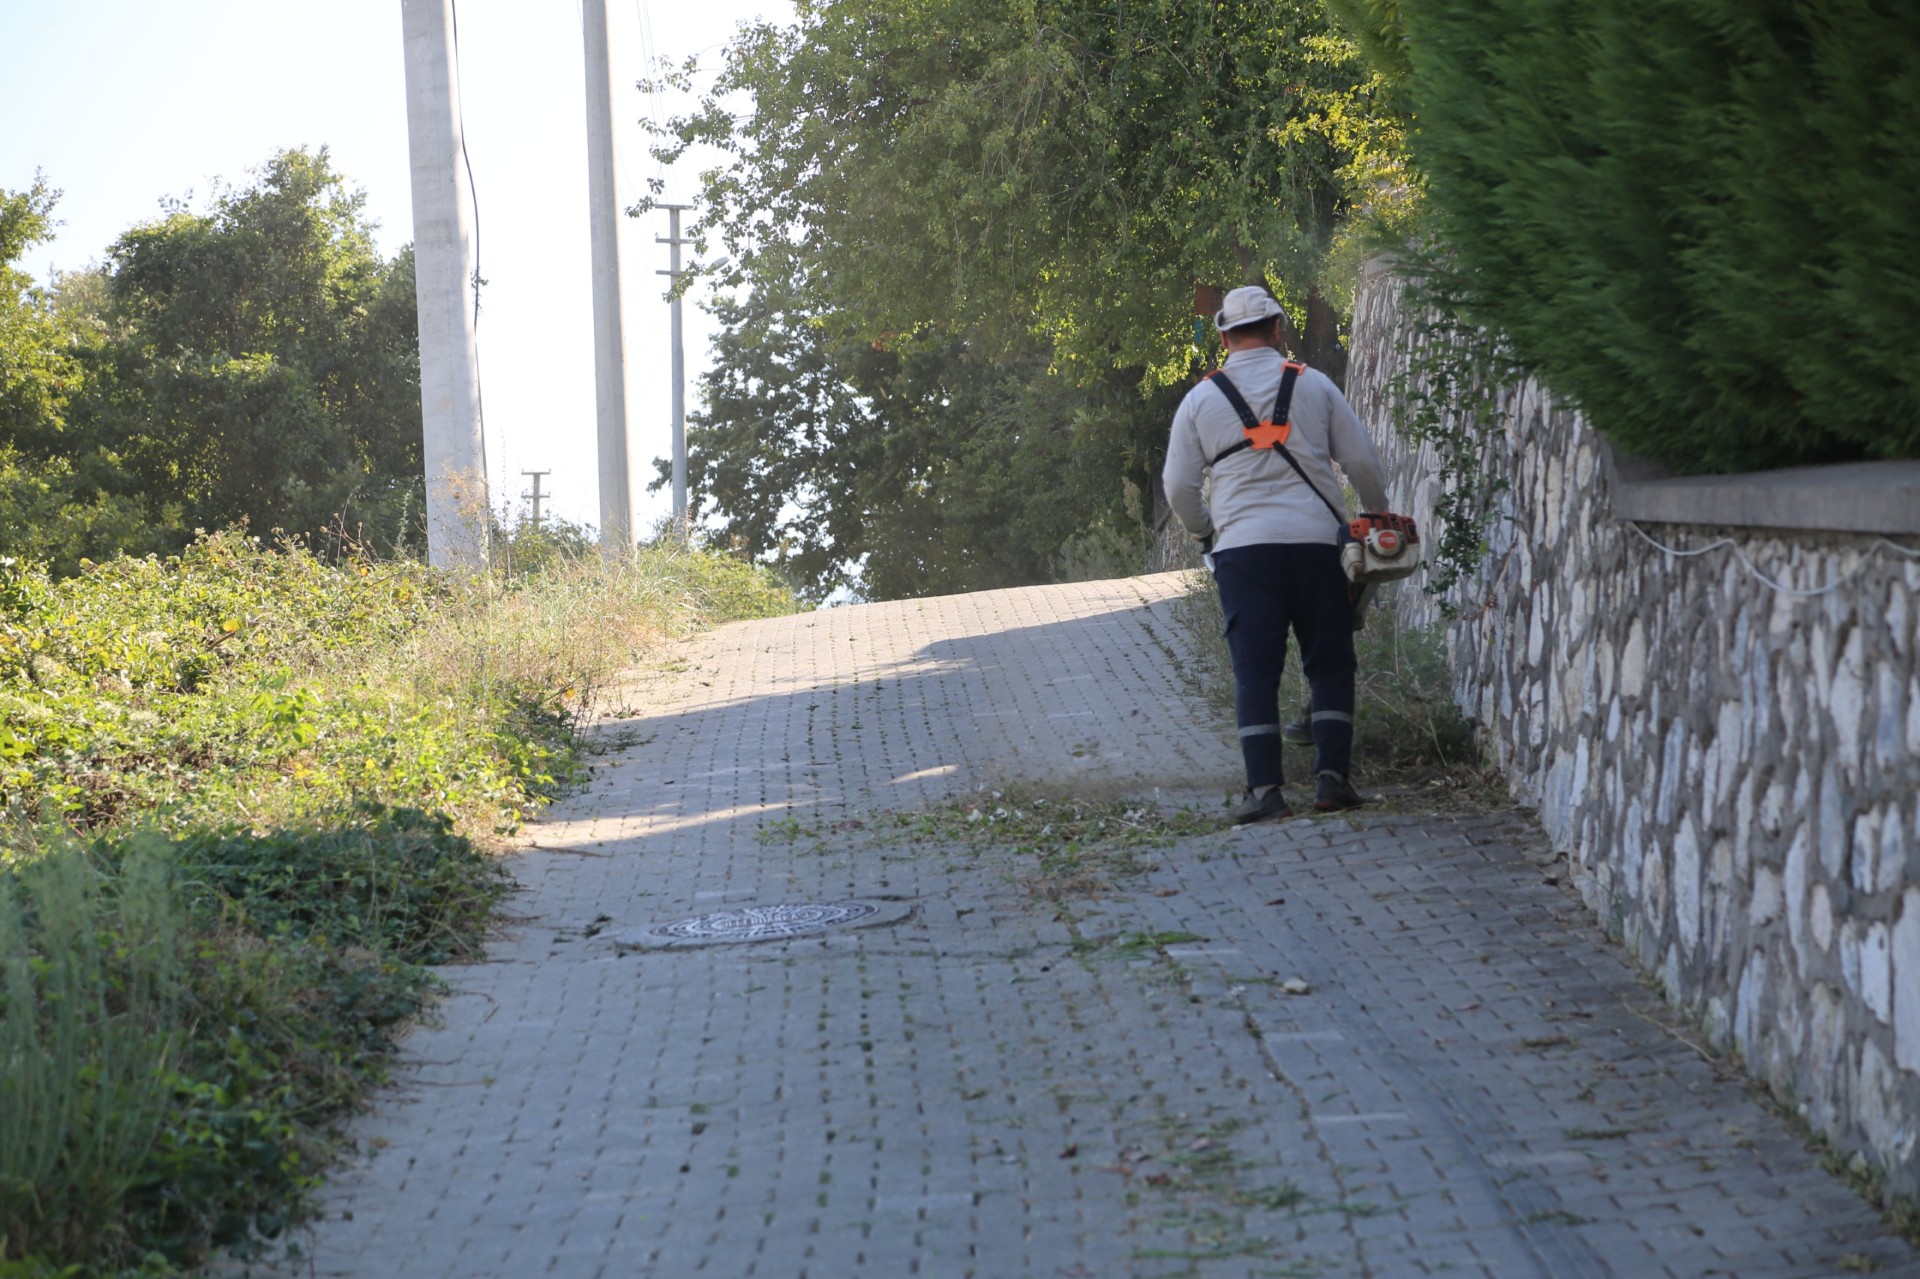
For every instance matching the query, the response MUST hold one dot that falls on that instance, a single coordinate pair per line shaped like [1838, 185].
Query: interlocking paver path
[1000, 1086]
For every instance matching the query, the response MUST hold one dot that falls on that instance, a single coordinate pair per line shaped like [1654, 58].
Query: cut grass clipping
[1064, 847]
[247, 797]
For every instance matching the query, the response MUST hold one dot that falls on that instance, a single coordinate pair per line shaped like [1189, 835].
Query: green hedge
[1695, 218]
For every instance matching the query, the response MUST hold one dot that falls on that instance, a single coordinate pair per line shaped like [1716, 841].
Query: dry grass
[1409, 736]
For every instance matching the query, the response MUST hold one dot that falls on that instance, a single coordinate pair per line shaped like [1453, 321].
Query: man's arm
[1353, 449]
[1182, 474]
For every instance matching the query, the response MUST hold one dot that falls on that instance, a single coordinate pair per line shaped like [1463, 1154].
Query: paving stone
[977, 1092]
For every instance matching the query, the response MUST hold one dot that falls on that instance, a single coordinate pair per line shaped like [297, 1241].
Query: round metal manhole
[765, 923]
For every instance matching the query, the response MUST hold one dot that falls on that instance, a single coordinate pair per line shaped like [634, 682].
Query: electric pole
[535, 495]
[673, 273]
[609, 318]
[454, 448]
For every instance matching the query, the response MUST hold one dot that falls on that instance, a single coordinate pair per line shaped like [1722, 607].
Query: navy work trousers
[1265, 591]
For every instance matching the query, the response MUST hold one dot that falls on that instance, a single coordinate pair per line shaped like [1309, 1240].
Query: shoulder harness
[1269, 434]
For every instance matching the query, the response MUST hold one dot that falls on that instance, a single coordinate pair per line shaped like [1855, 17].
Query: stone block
[1633, 850]
[1773, 808]
[1847, 705]
[1906, 982]
[1820, 917]
[1749, 1014]
[1672, 773]
[1836, 820]
[1720, 896]
[1633, 661]
[1723, 760]
[1889, 714]
[1743, 819]
[1870, 870]
[1686, 885]
[1768, 898]
[1826, 1046]
[1851, 940]
[1794, 880]
[1876, 971]
[1821, 658]
[1913, 718]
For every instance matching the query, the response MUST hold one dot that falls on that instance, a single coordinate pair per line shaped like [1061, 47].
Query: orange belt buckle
[1268, 435]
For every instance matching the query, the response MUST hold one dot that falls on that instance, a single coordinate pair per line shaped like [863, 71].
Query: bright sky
[123, 102]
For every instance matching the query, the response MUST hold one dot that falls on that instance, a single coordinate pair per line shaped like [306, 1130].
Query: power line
[1684, 553]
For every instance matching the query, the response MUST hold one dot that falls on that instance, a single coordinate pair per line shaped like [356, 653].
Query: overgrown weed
[245, 799]
[1407, 730]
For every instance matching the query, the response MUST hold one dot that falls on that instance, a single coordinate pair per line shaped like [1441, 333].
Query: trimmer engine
[1384, 547]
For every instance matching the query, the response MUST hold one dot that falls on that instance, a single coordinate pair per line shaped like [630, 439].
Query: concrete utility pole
[673, 240]
[609, 318]
[535, 495]
[457, 503]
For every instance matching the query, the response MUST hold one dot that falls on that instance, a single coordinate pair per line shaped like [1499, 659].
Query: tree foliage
[262, 359]
[972, 231]
[909, 466]
[37, 371]
[61, 495]
[1694, 219]
[254, 362]
[1007, 167]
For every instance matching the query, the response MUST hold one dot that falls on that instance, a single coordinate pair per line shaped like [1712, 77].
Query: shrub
[245, 794]
[1692, 219]
[1405, 723]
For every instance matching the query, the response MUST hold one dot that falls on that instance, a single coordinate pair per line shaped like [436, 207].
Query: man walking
[1275, 539]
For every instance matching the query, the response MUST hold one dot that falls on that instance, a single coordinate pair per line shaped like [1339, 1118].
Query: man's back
[1256, 496]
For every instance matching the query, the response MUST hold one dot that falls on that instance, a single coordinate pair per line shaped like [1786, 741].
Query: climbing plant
[1448, 397]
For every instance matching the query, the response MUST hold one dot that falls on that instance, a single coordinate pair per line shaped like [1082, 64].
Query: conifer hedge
[1698, 219]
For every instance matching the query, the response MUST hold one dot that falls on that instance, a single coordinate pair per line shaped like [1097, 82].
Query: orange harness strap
[1259, 434]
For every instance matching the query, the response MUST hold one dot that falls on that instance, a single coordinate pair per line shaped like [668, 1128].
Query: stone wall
[1731, 765]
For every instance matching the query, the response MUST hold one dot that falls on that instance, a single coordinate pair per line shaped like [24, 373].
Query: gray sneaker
[1297, 733]
[1332, 793]
[1258, 808]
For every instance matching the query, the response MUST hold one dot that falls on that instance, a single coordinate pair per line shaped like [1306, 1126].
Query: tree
[261, 361]
[972, 231]
[61, 496]
[909, 466]
[37, 370]
[1013, 167]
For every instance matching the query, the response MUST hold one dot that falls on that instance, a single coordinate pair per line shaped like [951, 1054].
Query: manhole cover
[764, 923]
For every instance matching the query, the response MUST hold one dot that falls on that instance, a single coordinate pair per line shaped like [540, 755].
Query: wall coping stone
[1847, 497]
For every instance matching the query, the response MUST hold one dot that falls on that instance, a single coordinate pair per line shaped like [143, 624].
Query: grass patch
[1132, 945]
[1898, 1212]
[1066, 847]
[246, 799]
[1407, 731]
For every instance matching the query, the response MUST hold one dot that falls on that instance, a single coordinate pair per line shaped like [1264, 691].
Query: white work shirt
[1256, 496]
